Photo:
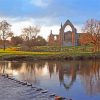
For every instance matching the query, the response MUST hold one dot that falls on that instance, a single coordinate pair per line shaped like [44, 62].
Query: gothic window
[68, 28]
[55, 37]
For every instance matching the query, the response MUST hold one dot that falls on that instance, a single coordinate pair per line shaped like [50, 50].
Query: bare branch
[31, 32]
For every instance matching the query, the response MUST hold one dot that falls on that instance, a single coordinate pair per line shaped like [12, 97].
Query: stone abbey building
[64, 38]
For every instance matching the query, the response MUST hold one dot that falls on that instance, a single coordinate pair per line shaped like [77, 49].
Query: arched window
[55, 37]
[68, 28]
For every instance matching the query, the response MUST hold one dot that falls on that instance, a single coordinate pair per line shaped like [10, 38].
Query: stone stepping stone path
[12, 89]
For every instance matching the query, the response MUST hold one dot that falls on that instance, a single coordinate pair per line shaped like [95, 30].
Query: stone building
[64, 38]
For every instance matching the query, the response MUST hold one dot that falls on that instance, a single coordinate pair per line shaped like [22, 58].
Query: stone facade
[69, 38]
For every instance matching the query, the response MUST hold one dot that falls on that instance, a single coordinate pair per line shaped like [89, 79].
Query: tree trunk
[4, 41]
[4, 45]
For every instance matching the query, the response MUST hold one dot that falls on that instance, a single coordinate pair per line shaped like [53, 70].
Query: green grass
[25, 53]
[52, 52]
[6, 52]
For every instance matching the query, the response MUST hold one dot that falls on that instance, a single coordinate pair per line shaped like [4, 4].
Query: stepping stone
[39, 89]
[33, 87]
[28, 84]
[24, 83]
[45, 91]
[52, 95]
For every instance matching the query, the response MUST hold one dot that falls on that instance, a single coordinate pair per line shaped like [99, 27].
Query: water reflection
[90, 76]
[68, 73]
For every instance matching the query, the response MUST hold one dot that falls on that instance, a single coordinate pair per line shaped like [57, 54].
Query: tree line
[29, 36]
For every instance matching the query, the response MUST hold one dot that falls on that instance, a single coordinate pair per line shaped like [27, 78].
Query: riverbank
[30, 56]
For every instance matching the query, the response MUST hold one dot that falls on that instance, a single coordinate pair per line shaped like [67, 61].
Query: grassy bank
[69, 54]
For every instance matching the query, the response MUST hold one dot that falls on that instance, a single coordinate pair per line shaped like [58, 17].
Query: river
[79, 80]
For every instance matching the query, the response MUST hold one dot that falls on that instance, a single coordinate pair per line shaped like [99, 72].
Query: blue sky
[49, 12]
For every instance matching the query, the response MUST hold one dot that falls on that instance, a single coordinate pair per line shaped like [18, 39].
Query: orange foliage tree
[92, 34]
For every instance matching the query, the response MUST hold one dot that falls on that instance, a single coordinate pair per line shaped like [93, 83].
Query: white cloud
[45, 30]
[45, 24]
[18, 26]
[41, 3]
[79, 28]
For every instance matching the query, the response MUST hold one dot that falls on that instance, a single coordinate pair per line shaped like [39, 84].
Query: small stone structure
[64, 38]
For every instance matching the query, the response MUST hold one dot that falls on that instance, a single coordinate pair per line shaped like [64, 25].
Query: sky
[48, 14]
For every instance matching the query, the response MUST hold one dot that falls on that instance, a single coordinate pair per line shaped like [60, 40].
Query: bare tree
[92, 34]
[5, 31]
[31, 32]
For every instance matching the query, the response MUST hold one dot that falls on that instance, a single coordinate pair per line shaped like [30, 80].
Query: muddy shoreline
[35, 58]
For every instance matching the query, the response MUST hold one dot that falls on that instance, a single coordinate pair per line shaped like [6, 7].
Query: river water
[79, 80]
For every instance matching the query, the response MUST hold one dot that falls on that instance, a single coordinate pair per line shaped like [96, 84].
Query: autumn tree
[92, 34]
[5, 32]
